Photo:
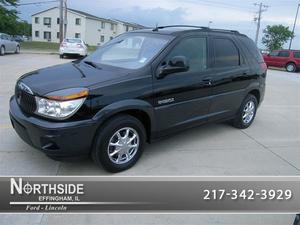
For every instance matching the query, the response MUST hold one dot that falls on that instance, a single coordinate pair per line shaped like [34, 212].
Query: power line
[262, 8]
[36, 3]
[221, 5]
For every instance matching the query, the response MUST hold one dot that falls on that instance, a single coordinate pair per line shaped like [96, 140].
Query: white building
[91, 29]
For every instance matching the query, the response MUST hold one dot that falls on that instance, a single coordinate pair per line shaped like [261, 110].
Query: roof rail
[200, 27]
[162, 27]
[224, 30]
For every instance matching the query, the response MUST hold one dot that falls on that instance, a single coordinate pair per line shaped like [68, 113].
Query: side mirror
[175, 65]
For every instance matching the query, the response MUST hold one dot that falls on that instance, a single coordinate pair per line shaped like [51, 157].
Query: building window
[112, 26]
[36, 33]
[102, 38]
[127, 28]
[47, 21]
[102, 25]
[77, 35]
[47, 35]
[111, 38]
[36, 20]
[78, 21]
[57, 21]
[57, 35]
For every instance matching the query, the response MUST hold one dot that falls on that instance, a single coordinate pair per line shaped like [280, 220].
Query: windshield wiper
[93, 64]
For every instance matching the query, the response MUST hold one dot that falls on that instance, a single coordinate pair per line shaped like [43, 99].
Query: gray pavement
[269, 147]
[147, 219]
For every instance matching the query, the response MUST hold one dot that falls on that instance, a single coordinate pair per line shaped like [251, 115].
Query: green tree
[22, 28]
[8, 16]
[276, 36]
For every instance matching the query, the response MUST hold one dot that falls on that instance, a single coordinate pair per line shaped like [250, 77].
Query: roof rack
[162, 27]
[224, 30]
[200, 27]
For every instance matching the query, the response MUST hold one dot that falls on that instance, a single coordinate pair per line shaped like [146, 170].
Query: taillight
[79, 46]
[263, 66]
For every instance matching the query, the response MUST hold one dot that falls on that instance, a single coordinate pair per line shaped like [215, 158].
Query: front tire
[119, 143]
[2, 51]
[246, 113]
[17, 50]
[291, 67]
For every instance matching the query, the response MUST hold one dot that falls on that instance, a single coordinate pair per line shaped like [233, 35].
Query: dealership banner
[62, 194]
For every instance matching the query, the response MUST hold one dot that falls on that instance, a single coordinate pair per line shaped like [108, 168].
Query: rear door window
[284, 54]
[226, 53]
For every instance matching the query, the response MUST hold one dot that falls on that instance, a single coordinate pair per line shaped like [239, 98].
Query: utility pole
[209, 23]
[61, 22]
[294, 26]
[262, 8]
[65, 19]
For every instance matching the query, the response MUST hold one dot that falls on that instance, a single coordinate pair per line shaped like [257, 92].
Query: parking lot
[269, 147]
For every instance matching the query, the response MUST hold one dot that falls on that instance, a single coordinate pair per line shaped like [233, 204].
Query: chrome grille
[25, 100]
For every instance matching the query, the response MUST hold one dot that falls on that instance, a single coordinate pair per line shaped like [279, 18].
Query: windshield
[129, 51]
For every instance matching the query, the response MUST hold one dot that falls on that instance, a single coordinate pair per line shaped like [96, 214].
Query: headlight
[61, 104]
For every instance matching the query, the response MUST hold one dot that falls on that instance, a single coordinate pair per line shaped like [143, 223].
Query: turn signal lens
[72, 96]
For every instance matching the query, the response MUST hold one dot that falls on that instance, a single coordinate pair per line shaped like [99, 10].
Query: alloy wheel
[123, 145]
[248, 112]
[2, 50]
[290, 68]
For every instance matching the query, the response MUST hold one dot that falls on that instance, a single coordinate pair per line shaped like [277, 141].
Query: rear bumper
[62, 139]
[67, 51]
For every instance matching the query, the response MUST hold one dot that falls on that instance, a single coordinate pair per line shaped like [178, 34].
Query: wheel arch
[139, 109]
[290, 62]
[256, 93]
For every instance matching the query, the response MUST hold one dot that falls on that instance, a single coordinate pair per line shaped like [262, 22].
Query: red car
[288, 59]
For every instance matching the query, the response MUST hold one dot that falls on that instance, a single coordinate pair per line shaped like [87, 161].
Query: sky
[228, 14]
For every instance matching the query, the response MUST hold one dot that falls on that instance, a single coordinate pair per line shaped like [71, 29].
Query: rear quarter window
[296, 55]
[253, 50]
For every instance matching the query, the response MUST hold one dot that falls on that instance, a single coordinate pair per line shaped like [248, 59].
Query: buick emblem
[25, 88]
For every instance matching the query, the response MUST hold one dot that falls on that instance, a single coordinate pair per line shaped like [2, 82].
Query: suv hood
[69, 75]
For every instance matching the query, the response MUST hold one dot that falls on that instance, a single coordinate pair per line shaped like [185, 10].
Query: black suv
[140, 86]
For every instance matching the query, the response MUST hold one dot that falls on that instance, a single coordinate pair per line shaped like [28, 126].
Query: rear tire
[119, 143]
[246, 113]
[291, 67]
[2, 50]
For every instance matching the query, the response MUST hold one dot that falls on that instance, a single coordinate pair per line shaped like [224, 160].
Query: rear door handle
[207, 81]
[247, 72]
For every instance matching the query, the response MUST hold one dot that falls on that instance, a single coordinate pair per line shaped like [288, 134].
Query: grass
[36, 45]
[46, 46]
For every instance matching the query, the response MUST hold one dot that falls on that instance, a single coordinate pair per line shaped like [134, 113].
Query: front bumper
[61, 139]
